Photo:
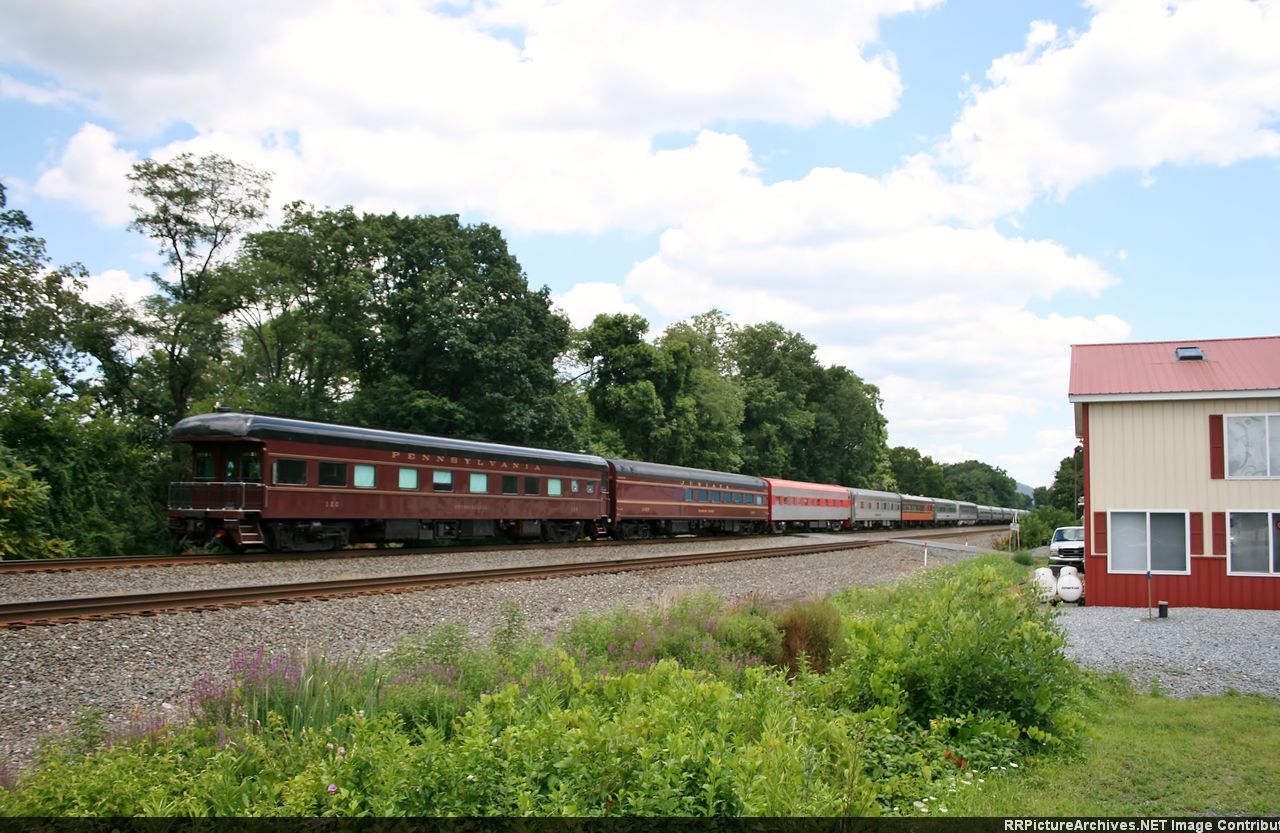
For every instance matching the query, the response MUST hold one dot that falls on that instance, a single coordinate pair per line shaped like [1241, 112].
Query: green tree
[706, 413]
[104, 473]
[850, 437]
[413, 323]
[917, 474]
[34, 299]
[24, 512]
[1068, 480]
[627, 378]
[194, 209]
[981, 483]
[777, 372]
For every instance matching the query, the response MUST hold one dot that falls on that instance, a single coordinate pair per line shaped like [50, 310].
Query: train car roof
[233, 424]
[875, 493]
[798, 484]
[636, 467]
[919, 497]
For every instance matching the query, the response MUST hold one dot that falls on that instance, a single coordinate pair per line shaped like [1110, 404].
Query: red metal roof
[1229, 365]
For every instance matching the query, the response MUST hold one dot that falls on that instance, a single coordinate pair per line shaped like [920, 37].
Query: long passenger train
[294, 485]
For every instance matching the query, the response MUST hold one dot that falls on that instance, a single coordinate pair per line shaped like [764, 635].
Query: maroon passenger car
[295, 485]
[656, 499]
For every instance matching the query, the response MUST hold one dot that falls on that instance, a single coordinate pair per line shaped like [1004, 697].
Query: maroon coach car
[656, 499]
[290, 484]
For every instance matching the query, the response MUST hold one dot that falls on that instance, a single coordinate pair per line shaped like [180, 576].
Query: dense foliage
[684, 710]
[421, 324]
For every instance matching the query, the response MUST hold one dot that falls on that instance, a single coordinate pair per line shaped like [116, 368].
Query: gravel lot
[132, 669]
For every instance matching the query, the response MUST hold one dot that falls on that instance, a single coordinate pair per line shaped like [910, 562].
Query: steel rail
[52, 611]
[114, 562]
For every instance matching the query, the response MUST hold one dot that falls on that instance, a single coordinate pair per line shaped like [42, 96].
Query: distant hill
[1025, 489]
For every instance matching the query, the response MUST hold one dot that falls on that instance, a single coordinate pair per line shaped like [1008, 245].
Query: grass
[1150, 756]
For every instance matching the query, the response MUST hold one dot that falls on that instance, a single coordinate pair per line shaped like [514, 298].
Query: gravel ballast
[132, 669]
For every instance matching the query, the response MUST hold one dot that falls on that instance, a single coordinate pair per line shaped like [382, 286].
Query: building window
[1253, 547]
[408, 478]
[479, 483]
[289, 472]
[366, 476]
[1253, 445]
[333, 474]
[441, 481]
[1148, 541]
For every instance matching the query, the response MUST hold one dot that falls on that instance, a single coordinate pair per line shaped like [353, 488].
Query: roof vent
[1188, 354]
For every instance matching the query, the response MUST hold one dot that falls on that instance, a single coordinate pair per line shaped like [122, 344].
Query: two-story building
[1181, 471]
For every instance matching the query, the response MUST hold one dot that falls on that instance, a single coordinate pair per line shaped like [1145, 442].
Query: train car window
[553, 487]
[204, 466]
[759, 500]
[333, 474]
[510, 484]
[715, 497]
[441, 481]
[289, 472]
[702, 496]
[533, 485]
[573, 486]
[591, 488]
[688, 495]
[408, 478]
[251, 467]
[479, 483]
[366, 476]
[231, 470]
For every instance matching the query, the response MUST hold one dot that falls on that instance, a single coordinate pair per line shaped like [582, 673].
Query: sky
[941, 196]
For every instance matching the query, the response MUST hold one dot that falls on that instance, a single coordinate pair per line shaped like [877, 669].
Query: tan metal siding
[1155, 455]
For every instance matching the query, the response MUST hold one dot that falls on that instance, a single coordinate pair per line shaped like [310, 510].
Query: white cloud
[92, 173]
[117, 283]
[1149, 83]
[584, 301]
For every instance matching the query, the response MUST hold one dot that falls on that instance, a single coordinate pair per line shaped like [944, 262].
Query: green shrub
[1024, 558]
[698, 630]
[966, 644]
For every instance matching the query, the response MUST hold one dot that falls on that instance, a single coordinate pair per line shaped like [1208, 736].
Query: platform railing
[208, 495]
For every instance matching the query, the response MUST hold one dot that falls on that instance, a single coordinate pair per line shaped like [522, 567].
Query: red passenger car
[296, 485]
[656, 499]
[794, 505]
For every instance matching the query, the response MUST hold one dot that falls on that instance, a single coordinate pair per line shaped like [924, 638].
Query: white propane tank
[1044, 580]
[1069, 586]
[1068, 570]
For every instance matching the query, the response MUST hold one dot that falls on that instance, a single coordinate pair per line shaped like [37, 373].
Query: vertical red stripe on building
[1219, 533]
[1217, 470]
[1197, 533]
[1099, 532]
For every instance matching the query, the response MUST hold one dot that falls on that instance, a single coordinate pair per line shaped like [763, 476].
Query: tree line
[411, 323]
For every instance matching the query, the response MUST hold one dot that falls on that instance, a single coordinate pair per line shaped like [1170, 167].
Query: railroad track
[115, 562]
[53, 611]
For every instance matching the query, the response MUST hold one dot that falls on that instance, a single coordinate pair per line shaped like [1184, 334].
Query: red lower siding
[1207, 586]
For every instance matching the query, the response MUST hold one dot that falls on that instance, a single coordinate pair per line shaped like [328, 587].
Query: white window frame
[1266, 450]
[1272, 532]
[1186, 539]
